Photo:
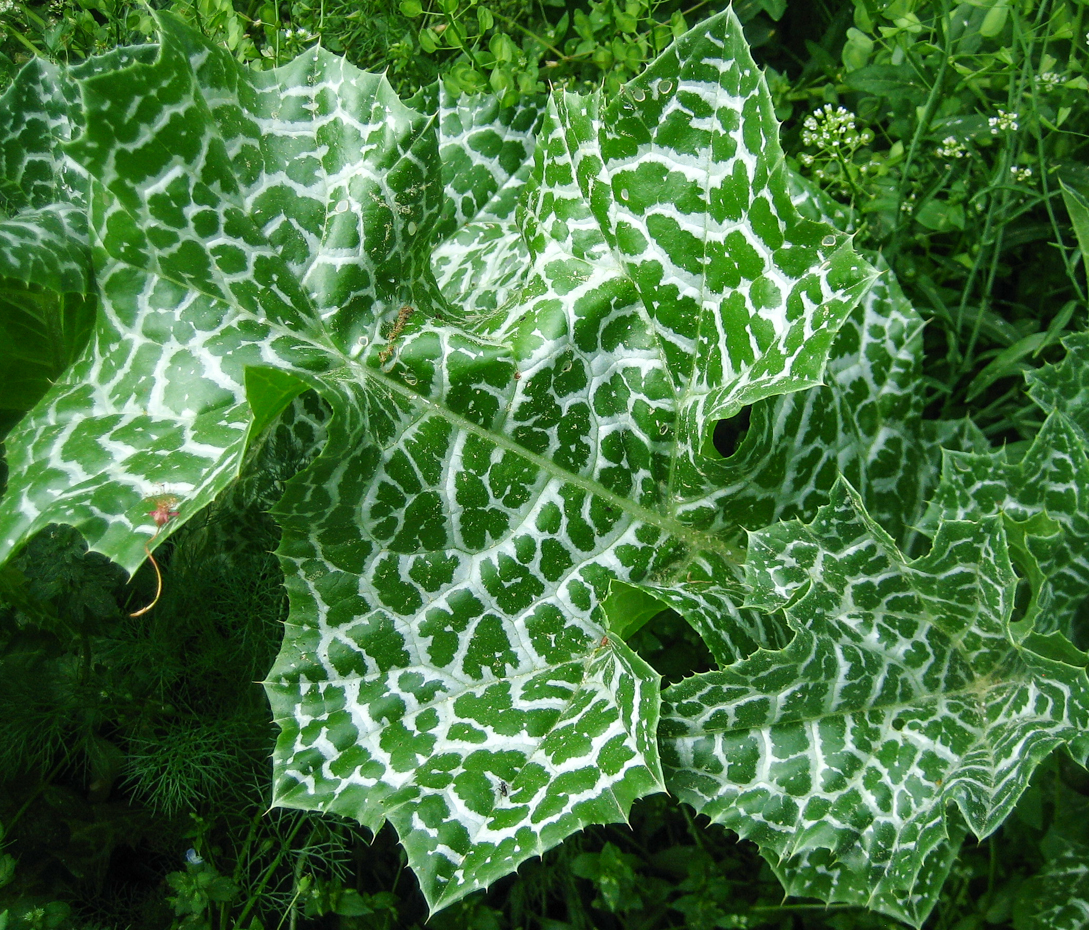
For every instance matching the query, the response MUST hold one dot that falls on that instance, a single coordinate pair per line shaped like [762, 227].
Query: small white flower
[192, 858]
[1020, 174]
[830, 128]
[951, 147]
[1004, 122]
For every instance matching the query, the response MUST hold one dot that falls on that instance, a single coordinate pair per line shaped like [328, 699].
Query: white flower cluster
[1020, 174]
[1048, 80]
[1004, 122]
[952, 148]
[833, 133]
[828, 129]
[303, 35]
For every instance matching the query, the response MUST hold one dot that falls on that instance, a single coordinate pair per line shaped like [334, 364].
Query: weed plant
[134, 751]
[950, 130]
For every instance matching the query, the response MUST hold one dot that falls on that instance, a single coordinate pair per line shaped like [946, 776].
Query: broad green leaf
[487, 156]
[1057, 898]
[519, 535]
[1051, 479]
[1078, 208]
[200, 262]
[902, 696]
[1042, 492]
[628, 608]
[899, 83]
[43, 229]
[41, 334]
[710, 595]
[44, 250]
[488, 468]
[1065, 386]
[864, 423]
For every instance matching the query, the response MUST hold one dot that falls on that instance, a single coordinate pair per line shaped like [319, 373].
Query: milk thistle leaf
[489, 466]
[905, 695]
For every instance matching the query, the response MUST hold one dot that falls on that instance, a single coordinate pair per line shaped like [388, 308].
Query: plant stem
[922, 127]
[532, 35]
[463, 42]
[20, 37]
[256, 894]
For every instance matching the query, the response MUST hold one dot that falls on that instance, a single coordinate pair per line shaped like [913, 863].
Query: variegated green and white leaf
[865, 423]
[1050, 481]
[43, 230]
[486, 476]
[44, 250]
[487, 155]
[1065, 386]
[1044, 489]
[511, 540]
[903, 693]
[1058, 897]
[205, 233]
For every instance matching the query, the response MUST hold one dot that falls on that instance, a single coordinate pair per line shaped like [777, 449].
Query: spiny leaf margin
[904, 691]
[571, 450]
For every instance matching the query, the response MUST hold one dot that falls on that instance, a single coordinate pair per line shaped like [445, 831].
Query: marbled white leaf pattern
[903, 691]
[489, 467]
[1043, 492]
[865, 423]
[1057, 898]
[487, 156]
[43, 229]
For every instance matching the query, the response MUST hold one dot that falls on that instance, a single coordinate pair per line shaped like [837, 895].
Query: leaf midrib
[694, 538]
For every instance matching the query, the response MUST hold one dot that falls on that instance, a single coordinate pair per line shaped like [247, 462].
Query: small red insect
[164, 510]
[163, 513]
[517, 376]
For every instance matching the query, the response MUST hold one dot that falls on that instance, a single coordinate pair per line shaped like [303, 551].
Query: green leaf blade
[488, 470]
[901, 692]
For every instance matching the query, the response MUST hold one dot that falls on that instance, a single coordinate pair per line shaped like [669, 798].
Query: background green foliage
[133, 753]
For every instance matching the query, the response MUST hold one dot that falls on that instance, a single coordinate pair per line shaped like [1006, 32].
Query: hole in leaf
[669, 644]
[730, 432]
